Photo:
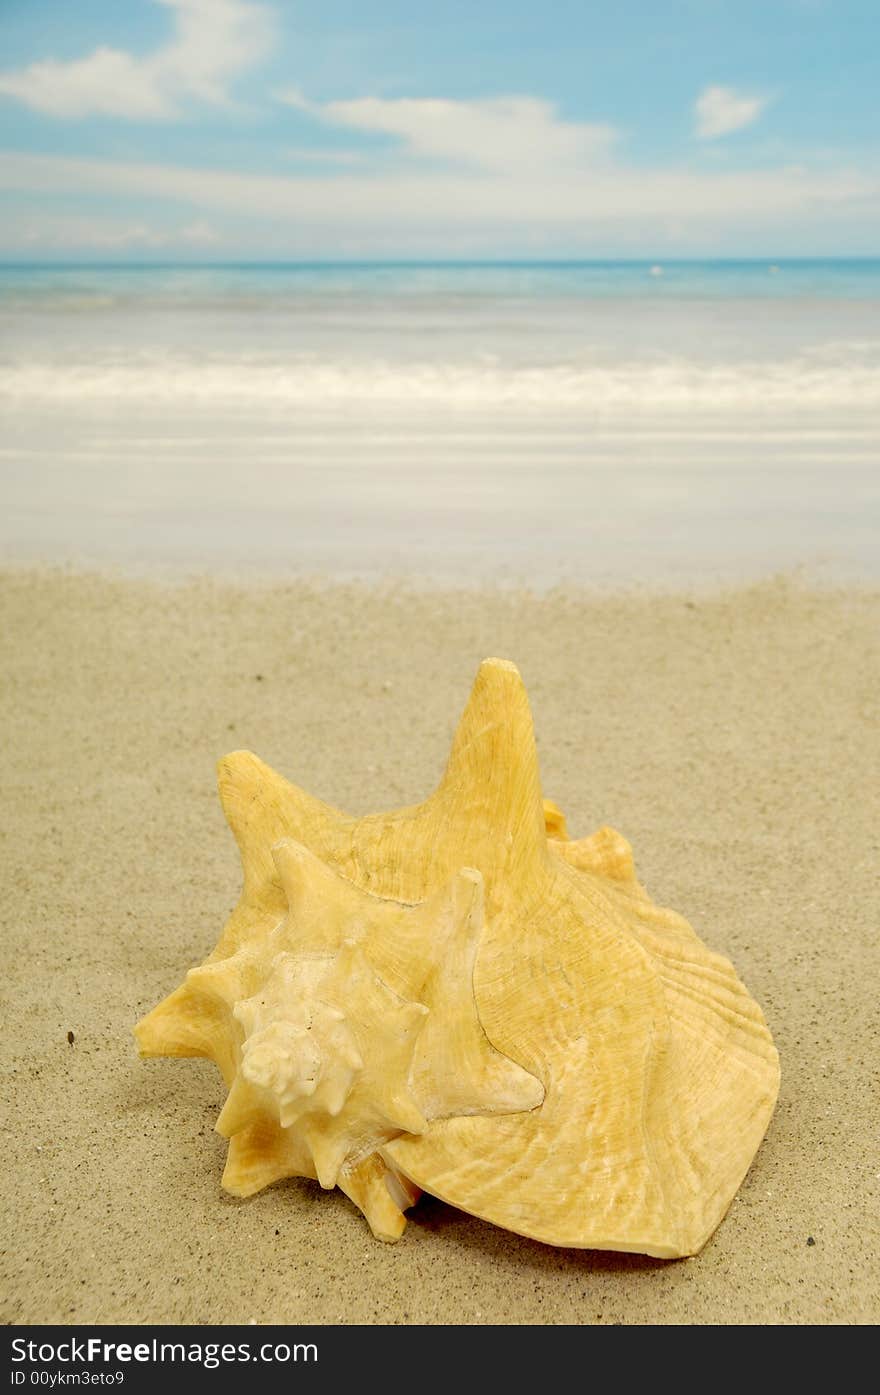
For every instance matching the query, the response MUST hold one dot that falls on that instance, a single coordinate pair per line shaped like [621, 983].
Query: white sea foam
[449, 424]
[833, 376]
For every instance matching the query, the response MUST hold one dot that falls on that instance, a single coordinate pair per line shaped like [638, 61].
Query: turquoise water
[823, 278]
[584, 421]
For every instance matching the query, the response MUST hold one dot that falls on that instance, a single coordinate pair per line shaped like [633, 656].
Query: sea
[527, 423]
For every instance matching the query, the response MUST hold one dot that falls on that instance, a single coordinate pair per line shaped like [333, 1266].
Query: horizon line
[136, 263]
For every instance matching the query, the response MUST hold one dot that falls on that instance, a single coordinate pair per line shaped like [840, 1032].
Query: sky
[347, 129]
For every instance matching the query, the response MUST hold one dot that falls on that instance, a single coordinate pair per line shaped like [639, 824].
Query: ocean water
[598, 422]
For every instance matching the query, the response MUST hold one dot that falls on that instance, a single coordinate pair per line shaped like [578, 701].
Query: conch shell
[457, 998]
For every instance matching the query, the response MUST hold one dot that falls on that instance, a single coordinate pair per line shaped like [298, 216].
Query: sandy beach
[733, 737]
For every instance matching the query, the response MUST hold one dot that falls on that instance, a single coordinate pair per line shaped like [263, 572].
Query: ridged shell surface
[456, 997]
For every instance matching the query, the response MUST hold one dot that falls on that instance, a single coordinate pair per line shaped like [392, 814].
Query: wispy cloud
[499, 133]
[397, 210]
[213, 41]
[720, 110]
[107, 234]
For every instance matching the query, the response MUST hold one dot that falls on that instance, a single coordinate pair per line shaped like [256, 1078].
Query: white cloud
[105, 234]
[107, 83]
[497, 133]
[720, 110]
[399, 210]
[213, 41]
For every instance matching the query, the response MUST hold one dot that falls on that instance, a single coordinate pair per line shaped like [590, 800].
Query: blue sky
[224, 129]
